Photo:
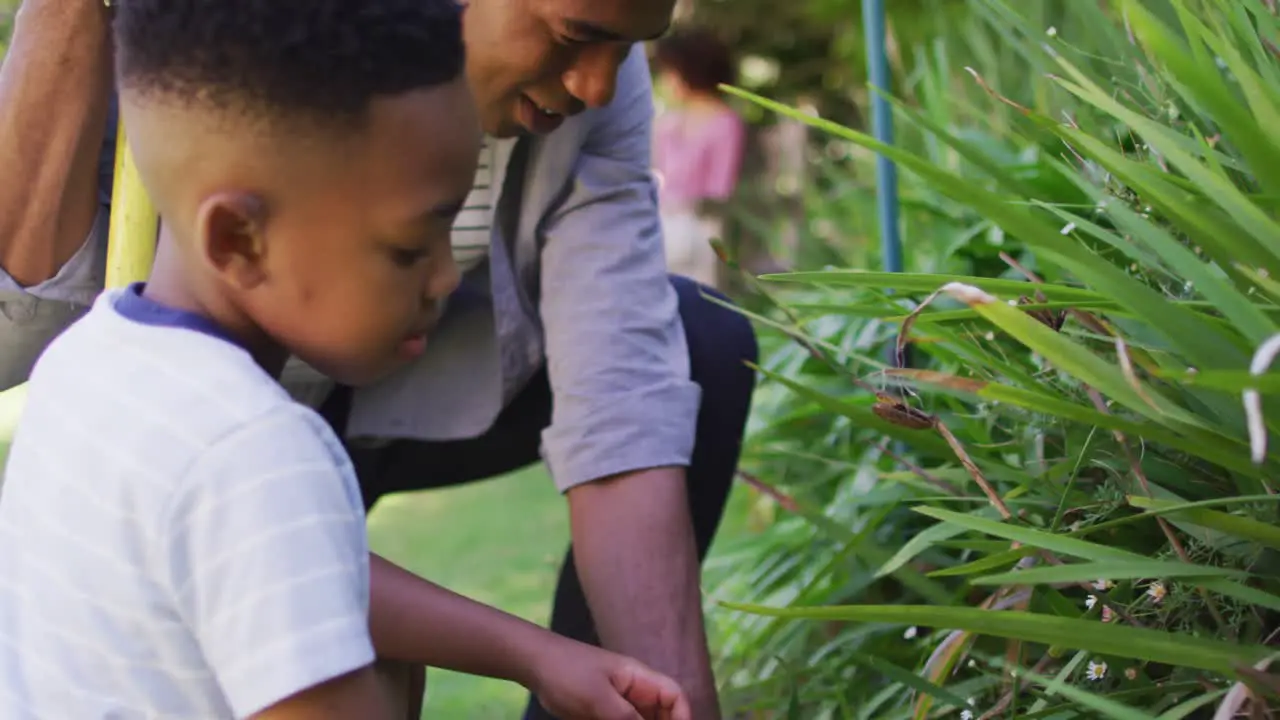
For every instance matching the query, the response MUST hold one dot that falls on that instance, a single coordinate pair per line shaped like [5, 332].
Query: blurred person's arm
[54, 87]
[625, 410]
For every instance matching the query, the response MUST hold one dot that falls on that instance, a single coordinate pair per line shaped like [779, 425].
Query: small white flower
[910, 633]
[1096, 671]
[1101, 585]
[1090, 601]
[1051, 32]
[1068, 228]
[966, 714]
[1156, 591]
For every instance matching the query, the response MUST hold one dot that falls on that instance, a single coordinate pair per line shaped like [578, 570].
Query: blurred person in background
[698, 147]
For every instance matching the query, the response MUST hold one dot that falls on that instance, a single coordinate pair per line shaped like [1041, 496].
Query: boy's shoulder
[119, 385]
[129, 352]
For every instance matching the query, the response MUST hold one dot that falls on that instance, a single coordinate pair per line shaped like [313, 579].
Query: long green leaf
[1091, 635]
[923, 282]
[1184, 710]
[1030, 536]
[1241, 527]
[1110, 570]
[1084, 365]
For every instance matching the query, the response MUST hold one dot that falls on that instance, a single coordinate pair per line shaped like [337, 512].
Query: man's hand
[634, 549]
[575, 681]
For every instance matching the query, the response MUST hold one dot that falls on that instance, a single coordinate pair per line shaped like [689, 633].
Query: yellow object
[131, 244]
[131, 248]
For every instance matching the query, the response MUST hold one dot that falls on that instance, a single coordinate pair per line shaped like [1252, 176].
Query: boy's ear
[231, 237]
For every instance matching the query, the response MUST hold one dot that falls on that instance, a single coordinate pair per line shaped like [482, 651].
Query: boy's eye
[407, 257]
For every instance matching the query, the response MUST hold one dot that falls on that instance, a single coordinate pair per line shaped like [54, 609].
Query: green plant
[1069, 447]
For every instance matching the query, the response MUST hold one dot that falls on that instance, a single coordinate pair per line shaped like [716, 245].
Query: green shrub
[1070, 444]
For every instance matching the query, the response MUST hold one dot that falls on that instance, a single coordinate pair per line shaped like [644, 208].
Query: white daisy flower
[1101, 585]
[910, 633]
[966, 714]
[1090, 601]
[1096, 671]
[1156, 591]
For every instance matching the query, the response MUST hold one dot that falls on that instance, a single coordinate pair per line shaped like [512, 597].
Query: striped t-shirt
[178, 539]
[471, 229]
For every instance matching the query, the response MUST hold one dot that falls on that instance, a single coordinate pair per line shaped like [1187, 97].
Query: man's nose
[593, 76]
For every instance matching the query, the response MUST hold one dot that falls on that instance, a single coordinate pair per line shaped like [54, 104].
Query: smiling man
[566, 341]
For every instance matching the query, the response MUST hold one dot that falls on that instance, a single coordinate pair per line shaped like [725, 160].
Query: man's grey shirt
[575, 278]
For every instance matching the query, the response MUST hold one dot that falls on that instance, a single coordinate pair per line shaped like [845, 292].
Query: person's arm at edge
[54, 92]
[636, 557]
[625, 409]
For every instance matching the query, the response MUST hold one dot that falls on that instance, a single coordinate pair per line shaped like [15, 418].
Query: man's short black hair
[324, 60]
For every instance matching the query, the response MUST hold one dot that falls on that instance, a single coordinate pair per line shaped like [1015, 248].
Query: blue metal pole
[882, 129]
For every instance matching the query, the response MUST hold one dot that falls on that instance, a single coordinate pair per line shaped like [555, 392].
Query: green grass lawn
[500, 542]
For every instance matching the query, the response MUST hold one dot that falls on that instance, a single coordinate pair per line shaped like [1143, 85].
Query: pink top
[697, 155]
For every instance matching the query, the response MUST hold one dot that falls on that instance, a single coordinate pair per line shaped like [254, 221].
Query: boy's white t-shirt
[178, 538]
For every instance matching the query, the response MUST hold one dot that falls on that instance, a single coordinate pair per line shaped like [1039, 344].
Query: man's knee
[716, 332]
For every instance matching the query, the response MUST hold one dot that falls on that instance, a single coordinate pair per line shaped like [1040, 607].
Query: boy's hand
[575, 681]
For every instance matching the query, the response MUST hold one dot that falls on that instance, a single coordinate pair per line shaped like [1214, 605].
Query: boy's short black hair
[323, 60]
[698, 56]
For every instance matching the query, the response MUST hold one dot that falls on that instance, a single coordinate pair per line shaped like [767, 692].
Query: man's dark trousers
[721, 344]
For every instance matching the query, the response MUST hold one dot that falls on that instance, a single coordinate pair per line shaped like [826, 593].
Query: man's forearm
[54, 90]
[417, 622]
[636, 556]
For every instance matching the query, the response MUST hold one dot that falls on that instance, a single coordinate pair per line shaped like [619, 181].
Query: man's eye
[405, 257]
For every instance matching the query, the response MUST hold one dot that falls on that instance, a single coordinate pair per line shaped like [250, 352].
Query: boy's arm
[417, 622]
[264, 555]
[355, 695]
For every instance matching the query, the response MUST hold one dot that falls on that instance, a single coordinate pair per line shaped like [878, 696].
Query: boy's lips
[414, 345]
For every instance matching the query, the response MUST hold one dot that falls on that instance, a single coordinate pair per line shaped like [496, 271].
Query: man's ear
[231, 237]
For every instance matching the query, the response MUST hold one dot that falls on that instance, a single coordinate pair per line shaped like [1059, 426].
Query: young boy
[177, 538]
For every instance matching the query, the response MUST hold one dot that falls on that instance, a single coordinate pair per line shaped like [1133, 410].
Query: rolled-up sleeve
[616, 353]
